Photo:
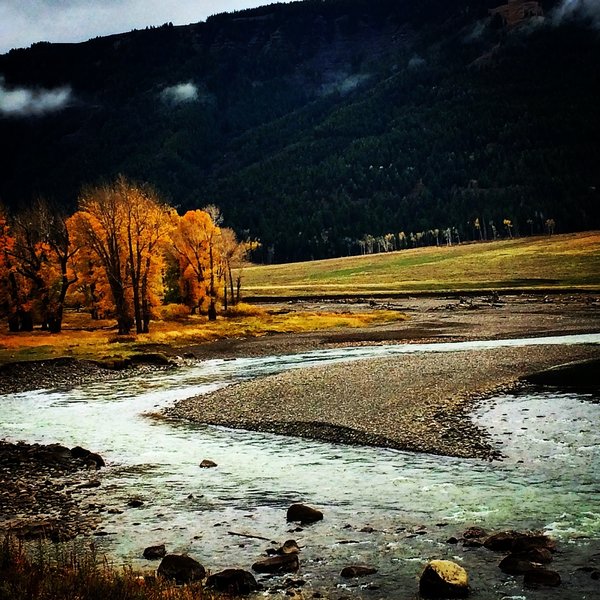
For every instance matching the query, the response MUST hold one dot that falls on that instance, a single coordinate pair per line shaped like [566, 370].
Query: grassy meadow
[551, 262]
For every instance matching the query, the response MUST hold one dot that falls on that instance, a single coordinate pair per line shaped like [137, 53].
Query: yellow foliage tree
[195, 243]
[125, 226]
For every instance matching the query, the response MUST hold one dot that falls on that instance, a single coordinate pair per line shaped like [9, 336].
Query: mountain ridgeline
[314, 123]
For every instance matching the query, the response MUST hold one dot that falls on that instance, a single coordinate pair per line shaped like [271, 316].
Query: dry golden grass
[87, 339]
[556, 262]
[79, 574]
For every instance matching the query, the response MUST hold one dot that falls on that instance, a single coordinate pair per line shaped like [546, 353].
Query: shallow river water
[412, 502]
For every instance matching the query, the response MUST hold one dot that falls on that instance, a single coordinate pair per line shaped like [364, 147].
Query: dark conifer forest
[314, 125]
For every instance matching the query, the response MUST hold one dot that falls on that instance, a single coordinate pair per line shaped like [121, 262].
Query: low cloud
[25, 102]
[416, 62]
[180, 93]
[574, 9]
[343, 83]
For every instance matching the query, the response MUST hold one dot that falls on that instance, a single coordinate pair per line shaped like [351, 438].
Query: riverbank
[48, 491]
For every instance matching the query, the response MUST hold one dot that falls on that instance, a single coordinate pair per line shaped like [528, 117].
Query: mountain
[314, 123]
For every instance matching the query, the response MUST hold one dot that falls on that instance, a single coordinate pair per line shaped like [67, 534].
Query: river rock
[474, 532]
[514, 541]
[233, 581]
[285, 563]
[208, 464]
[537, 555]
[444, 579]
[289, 547]
[154, 552]
[135, 503]
[357, 571]
[90, 458]
[181, 568]
[304, 514]
[541, 578]
[516, 564]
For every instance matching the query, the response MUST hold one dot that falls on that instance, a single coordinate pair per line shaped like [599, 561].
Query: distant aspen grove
[122, 255]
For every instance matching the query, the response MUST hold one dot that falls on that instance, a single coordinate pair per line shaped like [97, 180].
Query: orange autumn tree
[91, 288]
[39, 273]
[124, 227]
[195, 244]
[13, 289]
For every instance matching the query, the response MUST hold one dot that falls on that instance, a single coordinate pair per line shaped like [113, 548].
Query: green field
[559, 262]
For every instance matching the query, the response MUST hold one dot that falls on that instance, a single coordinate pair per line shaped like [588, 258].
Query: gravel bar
[415, 402]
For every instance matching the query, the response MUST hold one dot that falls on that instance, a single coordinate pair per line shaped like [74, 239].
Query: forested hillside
[314, 124]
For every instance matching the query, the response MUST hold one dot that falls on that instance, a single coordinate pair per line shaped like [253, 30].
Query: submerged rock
[541, 578]
[208, 464]
[304, 514]
[357, 571]
[233, 581]
[181, 568]
[474, 532]
[285, 563]
[444, 579]
[514, 541]
[516, 564]
[154, 552]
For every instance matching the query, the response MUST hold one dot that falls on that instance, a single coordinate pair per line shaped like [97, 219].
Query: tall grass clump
[52, 572]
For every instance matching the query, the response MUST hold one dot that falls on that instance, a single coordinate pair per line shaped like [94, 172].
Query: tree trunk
[137, 309]
[13, 322]
[230, 274]
[239, 289]
[212, 311]
[55, 321]
[25, 320]
[124, 320]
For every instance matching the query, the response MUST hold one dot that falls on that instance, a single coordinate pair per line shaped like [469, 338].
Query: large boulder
[285, 563]
[233, 581]
[444, 579]
[304, 514]
[181, 568]
[357, 571]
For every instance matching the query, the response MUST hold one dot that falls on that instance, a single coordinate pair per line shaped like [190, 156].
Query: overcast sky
[23, 22]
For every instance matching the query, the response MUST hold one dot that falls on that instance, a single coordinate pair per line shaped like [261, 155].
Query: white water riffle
[548, 481]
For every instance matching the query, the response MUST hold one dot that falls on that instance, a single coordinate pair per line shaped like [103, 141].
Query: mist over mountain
[314, 123]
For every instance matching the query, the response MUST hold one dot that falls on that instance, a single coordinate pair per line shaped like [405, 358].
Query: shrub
[174, 312]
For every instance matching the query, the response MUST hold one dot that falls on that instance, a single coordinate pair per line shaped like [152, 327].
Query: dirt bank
[440, 319]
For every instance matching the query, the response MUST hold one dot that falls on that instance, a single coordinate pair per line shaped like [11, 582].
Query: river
[412, 502]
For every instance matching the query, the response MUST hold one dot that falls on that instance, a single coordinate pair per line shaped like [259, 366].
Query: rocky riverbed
[48, 491]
